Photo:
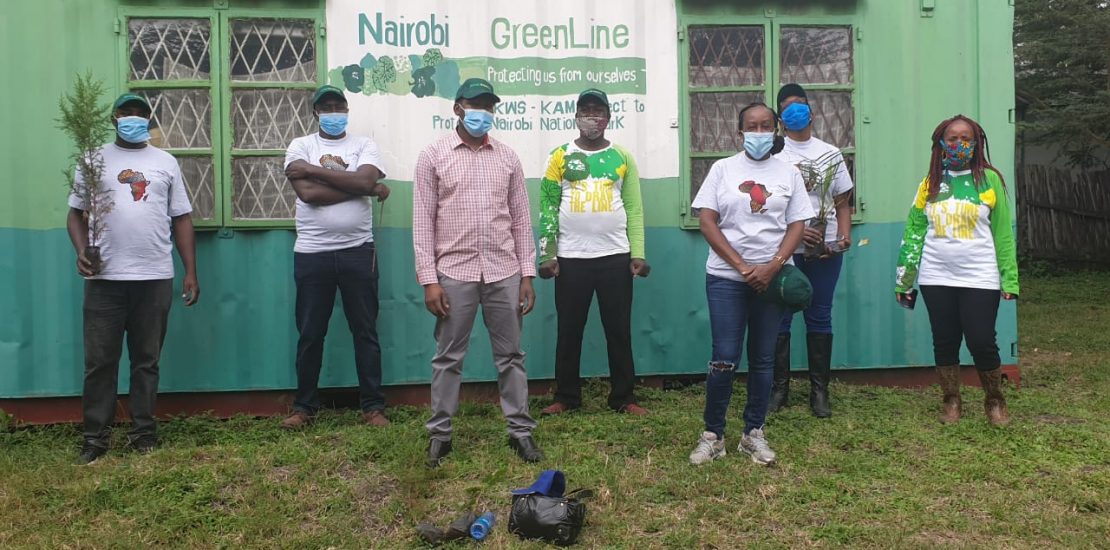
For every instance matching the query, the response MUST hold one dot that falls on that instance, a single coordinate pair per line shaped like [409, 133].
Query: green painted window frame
[772, 26]
[220, 87]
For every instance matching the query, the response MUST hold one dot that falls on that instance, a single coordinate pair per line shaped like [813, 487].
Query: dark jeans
[734, 307]
[112, 309]
[354, 273]
[823, 275]
[578, 279]
[959, 313]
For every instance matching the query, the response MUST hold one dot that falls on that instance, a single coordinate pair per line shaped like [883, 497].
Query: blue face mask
[333, 124]
[133, 129]
[796, 116]
[477, 121]
[758, 144]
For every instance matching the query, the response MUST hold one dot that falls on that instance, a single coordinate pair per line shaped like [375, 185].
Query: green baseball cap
[790, 288]
[128, 98]
[325, 90]
[594, 93]
[474, 87]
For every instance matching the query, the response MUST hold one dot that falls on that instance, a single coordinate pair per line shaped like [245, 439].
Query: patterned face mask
[591, 126]
[957, 156]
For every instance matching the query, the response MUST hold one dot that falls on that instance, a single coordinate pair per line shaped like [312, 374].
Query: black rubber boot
[819, 347]
[780, 390]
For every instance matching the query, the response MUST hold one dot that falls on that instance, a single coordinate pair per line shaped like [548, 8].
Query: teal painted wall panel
[241, 336]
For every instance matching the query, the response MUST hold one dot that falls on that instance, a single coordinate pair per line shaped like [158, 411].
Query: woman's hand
[812, 237]
[1008, 296]
[760, 276]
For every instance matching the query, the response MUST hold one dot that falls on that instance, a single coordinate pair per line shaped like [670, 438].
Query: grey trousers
[500, 303]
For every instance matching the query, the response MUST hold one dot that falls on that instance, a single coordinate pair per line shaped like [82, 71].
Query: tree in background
[1062, 53]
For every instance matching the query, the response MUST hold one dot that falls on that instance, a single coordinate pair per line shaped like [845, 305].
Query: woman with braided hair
[959, 247]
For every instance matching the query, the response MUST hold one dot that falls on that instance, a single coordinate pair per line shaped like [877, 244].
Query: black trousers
[578, 279]
[354, 274]
[963, 314]
[113, 309]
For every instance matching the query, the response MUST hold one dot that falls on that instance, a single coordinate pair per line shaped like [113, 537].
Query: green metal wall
[911, 72]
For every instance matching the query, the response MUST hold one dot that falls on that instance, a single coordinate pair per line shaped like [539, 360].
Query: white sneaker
[756, 446]
[709, 449]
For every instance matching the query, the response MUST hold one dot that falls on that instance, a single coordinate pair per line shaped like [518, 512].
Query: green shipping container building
[231, 82]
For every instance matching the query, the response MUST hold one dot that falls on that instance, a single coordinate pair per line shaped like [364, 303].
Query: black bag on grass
[555, 519]
[543, 512]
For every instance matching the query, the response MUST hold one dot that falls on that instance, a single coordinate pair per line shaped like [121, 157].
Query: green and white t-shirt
[962, 237]
[590, 204]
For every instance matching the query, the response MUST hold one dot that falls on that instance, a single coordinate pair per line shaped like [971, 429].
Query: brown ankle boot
[994, 402]
[950, 386]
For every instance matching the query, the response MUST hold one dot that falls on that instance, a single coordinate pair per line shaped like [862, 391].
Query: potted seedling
[85, 119]
[818, 175]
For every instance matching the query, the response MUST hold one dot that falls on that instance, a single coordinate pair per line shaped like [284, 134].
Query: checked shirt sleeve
[525, 245]
[424, 207]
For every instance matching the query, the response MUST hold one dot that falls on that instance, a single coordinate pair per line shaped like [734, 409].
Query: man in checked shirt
[472, 235]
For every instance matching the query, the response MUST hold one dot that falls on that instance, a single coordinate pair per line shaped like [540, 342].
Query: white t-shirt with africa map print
[335, 226]
[147, 191]
[756, 200]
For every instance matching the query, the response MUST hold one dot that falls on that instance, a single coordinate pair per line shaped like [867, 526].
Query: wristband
[779, 259]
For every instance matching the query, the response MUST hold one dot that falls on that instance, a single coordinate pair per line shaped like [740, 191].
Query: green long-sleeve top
[962, 237]
[590, 204]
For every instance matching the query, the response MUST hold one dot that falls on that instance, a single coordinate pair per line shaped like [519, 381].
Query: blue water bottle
[481, 527]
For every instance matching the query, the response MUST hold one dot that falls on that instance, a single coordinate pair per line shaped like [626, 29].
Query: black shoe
[437, 450]
[89, 454]
[144, 444]
[526, 449]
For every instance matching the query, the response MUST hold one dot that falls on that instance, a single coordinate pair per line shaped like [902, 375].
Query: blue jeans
[354, 273]
[823, 275]
[734, 307]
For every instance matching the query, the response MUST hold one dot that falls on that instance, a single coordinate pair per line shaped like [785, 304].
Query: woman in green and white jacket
[959, 248]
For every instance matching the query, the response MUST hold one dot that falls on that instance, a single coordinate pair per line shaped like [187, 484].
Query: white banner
[402, 62]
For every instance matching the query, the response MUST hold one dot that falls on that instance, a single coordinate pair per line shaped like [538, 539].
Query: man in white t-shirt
[334, 176]
[128, 271]
[820, 257]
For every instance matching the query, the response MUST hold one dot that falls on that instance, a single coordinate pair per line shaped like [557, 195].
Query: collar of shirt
[457, 141]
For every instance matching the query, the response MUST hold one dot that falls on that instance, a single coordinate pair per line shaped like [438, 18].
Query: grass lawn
[880, 473]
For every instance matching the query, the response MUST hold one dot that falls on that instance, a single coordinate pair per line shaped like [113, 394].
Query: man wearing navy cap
[334, 176]
[140, 197]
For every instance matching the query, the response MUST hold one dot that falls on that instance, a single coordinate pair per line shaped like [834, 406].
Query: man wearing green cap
[334, 176]
[141, 197]
[592, 240]
[472, 237]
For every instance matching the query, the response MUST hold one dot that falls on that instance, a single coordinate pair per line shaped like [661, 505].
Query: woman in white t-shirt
[830, 191]
[753, 208]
